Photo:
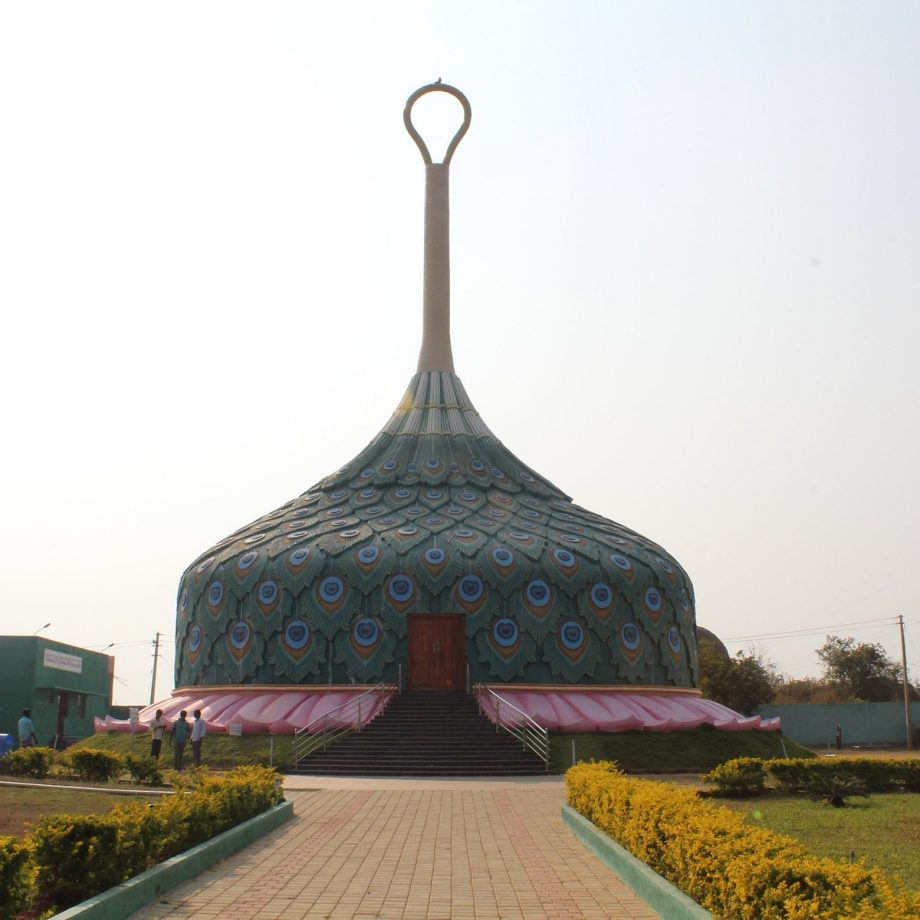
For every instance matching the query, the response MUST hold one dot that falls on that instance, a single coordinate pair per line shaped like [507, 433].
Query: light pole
[153, 679]
[907, 720]
[37, 631]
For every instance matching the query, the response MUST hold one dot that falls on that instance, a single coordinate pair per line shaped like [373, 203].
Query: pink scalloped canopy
[281, 711]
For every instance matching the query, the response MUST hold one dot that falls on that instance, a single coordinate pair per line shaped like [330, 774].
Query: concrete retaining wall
[860, 723]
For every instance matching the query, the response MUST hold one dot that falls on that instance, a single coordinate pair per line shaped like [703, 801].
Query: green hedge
[28, 761]
[736, 871]
[73, 857]
[92, 765]
[748, 776]
[144, 769]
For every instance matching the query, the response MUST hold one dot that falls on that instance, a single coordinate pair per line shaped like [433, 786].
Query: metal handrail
[322, 731]
[517, 723]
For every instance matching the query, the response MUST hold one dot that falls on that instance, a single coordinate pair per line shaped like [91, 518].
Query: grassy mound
[694, 751]
[219, 751]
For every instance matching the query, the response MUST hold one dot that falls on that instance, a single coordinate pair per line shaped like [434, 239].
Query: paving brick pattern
[421, 852]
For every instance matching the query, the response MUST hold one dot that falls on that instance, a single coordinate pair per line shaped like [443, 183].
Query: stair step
[426, 734]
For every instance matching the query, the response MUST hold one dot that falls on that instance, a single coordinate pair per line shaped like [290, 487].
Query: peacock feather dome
[435, 516]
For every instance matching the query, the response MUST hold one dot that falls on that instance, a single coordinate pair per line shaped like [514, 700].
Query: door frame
[458, 624]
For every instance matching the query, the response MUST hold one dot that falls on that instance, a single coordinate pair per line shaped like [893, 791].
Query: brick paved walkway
[438, 850]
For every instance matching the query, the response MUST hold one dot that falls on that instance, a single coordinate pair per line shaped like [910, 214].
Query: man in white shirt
[156, 734]
[199, 730]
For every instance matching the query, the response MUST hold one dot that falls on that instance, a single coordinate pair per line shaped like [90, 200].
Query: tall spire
[435, 354]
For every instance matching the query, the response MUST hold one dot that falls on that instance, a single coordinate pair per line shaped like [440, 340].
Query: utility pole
[156, 656]
[907, 720]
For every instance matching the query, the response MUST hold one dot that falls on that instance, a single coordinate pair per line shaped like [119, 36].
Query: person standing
[26, 729]
[179, 738]
[199, 730]
[156, 731]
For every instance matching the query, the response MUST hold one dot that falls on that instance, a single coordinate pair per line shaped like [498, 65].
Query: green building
[66, 687]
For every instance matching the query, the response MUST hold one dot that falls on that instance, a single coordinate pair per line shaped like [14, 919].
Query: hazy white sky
[686, 275]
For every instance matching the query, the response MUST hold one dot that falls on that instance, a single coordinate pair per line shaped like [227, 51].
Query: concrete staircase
[426, 733]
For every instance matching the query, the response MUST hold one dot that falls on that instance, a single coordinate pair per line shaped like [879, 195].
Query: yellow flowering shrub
[735, 871]
[73, 857]
[14, 876]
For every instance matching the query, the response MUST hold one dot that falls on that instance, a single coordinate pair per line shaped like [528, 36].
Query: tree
[792, 690]
[742, 683]
[862, 669]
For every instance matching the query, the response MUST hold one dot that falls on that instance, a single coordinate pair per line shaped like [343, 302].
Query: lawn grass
[689, 751]
[884, 829]
[21, 806]
[219, 751]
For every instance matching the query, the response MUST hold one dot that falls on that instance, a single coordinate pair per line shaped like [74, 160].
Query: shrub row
[31, 761]
[14, 875]
[748, 776]
[69, 858]
[88, 764]
[735, 871]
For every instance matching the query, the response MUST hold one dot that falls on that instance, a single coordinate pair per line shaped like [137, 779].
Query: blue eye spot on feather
[630, 636]
[331, 588]
[368, 554]
[572, 635]
[239, 635]
[268, 592]
[366, 632]
[674, 640]
[471, 588]
[505, 632]
[538, 592]
[296, 635]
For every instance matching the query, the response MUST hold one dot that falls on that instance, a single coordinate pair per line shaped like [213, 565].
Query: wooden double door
[436, 653]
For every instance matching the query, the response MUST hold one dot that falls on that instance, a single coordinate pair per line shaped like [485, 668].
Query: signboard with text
[61, 661]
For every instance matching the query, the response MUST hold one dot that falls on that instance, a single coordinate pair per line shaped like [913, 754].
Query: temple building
[435, 559]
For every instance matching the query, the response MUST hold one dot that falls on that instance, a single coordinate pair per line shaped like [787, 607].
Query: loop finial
[438, 87]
